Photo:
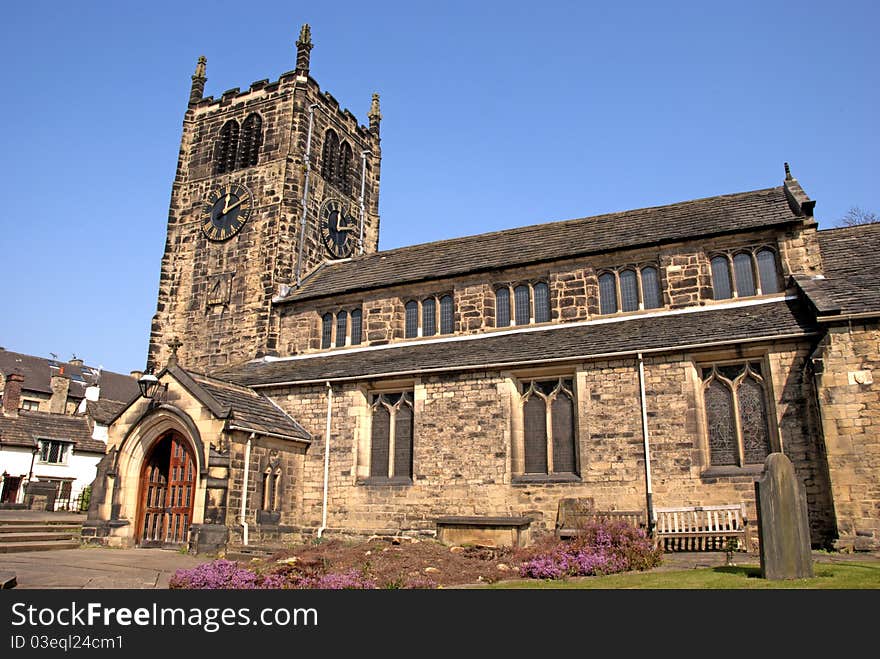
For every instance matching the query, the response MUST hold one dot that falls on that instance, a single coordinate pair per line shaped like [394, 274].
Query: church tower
[271, 182]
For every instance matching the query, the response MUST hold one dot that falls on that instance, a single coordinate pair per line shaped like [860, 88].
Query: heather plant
[229, 575]
[600, 547]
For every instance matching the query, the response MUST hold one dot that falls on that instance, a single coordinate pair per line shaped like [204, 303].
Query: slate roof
[104, 411]
[550, 242]
[27, 427]
[38, 371]
[851, 282]
[648, 333]
[244, 408]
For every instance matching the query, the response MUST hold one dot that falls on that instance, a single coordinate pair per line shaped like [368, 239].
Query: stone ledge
[484, 521]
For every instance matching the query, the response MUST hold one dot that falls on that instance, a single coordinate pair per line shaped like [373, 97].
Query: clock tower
[271, 182]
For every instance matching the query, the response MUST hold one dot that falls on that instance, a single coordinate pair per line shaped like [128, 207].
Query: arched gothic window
[329, 156]
[226, 149]
[737, 414]
[549, 437]
[343, 171]
[251, 141]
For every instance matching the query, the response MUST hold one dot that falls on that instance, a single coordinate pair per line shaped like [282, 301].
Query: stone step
[36, 536]
[15, 547]
[38, 528]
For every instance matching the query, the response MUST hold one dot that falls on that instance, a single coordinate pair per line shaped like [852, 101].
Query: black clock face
[337, 229]
[226, 210]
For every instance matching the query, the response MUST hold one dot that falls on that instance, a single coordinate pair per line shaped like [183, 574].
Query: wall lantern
[151, 387]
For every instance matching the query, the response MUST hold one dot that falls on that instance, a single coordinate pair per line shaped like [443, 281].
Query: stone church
[307, 384]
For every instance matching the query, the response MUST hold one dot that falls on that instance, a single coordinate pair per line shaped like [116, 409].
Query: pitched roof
[551, 241]
[38, 372]
[104, 411]
[28, 427]
[648, 333]
[851, 282]
[244, 408]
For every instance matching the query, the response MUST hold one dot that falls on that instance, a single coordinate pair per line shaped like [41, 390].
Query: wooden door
[167, 493]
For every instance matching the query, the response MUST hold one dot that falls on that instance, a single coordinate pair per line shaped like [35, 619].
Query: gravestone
[783, 526]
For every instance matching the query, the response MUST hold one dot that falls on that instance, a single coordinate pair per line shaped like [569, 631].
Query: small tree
[855, 216]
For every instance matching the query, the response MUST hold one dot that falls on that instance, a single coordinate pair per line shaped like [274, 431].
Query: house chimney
[12, 394]
[76, 361]
[60, 385]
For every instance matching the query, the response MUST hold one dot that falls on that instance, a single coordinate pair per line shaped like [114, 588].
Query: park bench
[702, 528]
[573, 514]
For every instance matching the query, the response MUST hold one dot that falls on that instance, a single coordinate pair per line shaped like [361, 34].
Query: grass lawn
[827, 576]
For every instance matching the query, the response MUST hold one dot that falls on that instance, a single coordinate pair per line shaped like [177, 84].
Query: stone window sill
[720, 472]
[375, 480]
[538, 479]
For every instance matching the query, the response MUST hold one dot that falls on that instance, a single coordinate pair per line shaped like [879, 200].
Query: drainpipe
[643, 403]
[326, 461]
[364, 155]
[244, 486]
[305, 199]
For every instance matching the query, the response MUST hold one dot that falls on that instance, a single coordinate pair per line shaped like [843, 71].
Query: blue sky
[495, 115]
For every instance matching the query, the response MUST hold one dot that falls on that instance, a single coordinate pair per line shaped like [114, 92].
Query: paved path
[96, 567]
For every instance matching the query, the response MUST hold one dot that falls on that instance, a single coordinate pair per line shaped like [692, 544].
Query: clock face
[226, 210]
[337, 229]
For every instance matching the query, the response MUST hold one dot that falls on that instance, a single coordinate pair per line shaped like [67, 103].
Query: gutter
[848, 316]
[270, 434]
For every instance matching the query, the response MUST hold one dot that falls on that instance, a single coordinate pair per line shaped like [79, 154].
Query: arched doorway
[166, 493]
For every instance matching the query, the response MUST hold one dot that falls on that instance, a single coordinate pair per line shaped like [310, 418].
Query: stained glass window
[607, 293]
[356, 317]
[502, 307]
[745, 278]
[753, 421]
[326, 330]
[411, 328]
[553, 432]
[446, 315]
[341, 327]
[392, 424]
[522, 304]
[651, 288]
[767, 272]
[736, 414]
[542, 303]
[629, 291]
[721, 285]
[429, 317]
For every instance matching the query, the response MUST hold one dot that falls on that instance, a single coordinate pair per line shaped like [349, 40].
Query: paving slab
[96, 568]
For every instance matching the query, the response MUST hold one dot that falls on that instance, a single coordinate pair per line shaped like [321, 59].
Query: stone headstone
[783, 526]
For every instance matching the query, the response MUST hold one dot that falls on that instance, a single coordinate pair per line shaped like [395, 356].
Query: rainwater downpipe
[305, 199]
[326, 460]
[643, 404]
[364, 155]
[244, 486]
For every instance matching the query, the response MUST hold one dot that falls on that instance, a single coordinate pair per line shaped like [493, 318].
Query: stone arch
[135, 448]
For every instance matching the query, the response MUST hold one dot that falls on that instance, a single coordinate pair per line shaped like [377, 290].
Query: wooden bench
[701, 528]
[574, 513]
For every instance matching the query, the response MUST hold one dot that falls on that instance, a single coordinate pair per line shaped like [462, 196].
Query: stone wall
[847, 363]
[464, 433]
[683, 268]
